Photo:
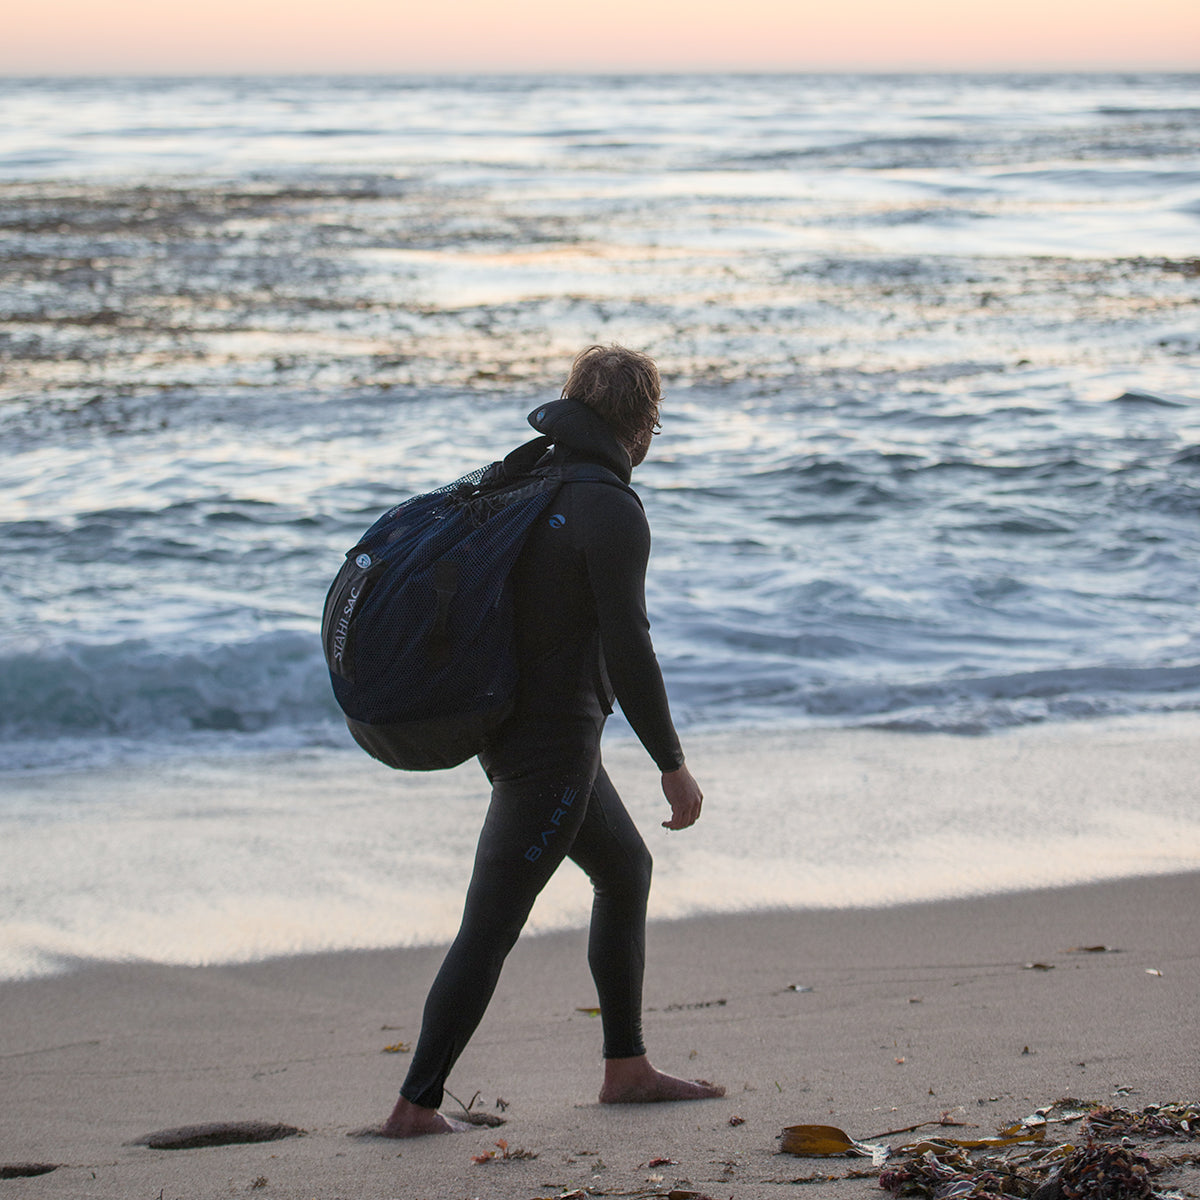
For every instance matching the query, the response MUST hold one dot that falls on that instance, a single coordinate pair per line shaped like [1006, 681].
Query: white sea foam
[236, 858]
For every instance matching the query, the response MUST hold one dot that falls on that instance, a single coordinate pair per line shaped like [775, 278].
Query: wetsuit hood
[583, 433]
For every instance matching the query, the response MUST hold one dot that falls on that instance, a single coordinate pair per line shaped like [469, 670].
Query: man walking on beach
[582, 636]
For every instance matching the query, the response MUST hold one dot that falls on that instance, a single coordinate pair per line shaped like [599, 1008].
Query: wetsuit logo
[557, 521]
[556, 818]
[363, 560]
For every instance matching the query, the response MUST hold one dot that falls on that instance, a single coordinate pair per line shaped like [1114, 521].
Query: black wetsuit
[581, 623]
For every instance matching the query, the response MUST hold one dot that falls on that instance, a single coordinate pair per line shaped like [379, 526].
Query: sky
[269, 36]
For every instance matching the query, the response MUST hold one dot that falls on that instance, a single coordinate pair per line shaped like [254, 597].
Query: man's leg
[533, 817]
[610, 849]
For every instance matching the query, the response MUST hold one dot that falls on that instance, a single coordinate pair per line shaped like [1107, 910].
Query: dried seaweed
[942, 1169]
[478, 1118]
[1100, 1172]
[504, 1153]
[1154, 1121]
[826, 1141]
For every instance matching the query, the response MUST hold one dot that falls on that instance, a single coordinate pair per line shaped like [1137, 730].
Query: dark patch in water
[1149, 399]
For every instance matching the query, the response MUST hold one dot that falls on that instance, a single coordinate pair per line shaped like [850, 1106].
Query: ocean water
[931, 448]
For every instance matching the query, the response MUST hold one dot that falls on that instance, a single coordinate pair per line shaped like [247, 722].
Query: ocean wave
[84, 702]
[142, 688]
[993, 699]
[1164, 113]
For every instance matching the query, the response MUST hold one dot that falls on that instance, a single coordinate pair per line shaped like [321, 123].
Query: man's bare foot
[635, 1081]
[411, 1120]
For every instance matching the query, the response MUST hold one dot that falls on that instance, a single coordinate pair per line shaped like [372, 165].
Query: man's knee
[645, 866]
[633, 881]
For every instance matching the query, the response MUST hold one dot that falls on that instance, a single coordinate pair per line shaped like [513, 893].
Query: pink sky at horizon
[267, 36]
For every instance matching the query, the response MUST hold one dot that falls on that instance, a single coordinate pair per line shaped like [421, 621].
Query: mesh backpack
[418, 624]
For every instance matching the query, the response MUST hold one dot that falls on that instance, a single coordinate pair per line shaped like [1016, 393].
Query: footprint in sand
[218, 1133]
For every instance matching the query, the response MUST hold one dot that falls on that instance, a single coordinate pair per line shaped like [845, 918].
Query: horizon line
[581, 72]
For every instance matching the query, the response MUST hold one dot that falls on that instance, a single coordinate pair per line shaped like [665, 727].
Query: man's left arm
[618, 549]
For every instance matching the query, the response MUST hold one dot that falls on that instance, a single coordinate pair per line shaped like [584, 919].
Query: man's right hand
[684, 796]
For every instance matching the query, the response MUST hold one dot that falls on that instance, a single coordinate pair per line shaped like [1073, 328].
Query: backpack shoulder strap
[523, 461]
[525, 457]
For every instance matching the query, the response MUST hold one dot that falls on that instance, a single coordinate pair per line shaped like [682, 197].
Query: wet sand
[913, 1011]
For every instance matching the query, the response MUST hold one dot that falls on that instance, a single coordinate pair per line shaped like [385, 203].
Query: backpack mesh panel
[390, 665]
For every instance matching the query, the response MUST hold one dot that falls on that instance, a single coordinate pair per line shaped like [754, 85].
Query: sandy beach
[913, 1012]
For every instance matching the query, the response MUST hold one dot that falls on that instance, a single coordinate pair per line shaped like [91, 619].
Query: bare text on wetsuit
[568, 798]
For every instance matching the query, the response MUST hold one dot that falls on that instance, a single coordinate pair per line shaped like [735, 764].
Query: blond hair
[620, 385]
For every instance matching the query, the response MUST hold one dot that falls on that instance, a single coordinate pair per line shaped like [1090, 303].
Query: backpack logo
[342, 629]
[557, 521]
[363, 560]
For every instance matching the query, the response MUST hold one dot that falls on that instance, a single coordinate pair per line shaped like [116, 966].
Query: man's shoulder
[608, 520]
[604, 491]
